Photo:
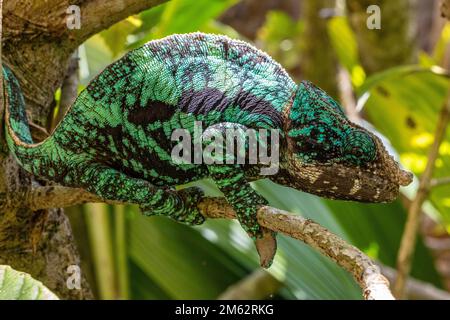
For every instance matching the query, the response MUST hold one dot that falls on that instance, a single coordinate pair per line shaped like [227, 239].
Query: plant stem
[121, 252]
[409, 237]
[99, 227]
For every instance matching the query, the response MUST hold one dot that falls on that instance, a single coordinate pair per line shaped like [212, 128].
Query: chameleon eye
[359, 147]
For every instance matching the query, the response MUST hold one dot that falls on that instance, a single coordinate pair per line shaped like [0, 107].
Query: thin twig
[69, 90]
[416, 289]
[437, 182]
[347, 95]
[412, 223]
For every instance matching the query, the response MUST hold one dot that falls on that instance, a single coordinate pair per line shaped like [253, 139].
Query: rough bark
[37, 45]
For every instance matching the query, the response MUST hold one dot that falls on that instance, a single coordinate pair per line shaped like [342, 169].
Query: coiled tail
[30, 155]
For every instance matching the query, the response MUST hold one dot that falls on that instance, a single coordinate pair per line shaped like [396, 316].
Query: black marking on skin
[202, 102]
[210, 99]
[252, 104]
[146, 157]
[225, 49]
[196, 69]
[154, 111]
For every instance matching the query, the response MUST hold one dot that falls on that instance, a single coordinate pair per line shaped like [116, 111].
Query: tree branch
[364, 271]
[409, 237]
[347, 95]
[445, 9]
[37, 45]
[99, 14]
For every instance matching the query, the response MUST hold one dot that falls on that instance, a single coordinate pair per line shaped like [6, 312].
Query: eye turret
[359, 147]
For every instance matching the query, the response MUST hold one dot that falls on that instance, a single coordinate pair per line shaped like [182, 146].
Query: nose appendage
[404, 177]
[392, 168]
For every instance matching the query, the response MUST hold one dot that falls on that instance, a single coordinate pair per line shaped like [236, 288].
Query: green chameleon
[115, 140]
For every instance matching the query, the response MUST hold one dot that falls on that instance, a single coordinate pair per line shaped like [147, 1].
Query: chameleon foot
[190, 214]
[266, 247]
[178, 205]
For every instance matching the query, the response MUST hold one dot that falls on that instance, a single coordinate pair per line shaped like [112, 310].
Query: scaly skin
[115, 141]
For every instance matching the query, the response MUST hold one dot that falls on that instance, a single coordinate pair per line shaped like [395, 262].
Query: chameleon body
[115, 140]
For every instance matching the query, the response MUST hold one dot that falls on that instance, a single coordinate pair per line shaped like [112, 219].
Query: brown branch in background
[260, 284]
[416, 289]
[409, 237]
[69, 90]
[95, 20]
[445, 9]
[347, 95]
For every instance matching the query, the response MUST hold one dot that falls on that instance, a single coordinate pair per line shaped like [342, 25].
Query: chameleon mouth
[346, 184]
[339, 181]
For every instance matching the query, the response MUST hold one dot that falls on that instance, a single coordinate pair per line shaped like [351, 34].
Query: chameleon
[115, 140]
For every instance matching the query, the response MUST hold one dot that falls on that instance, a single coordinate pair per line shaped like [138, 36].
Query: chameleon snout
[404, 177]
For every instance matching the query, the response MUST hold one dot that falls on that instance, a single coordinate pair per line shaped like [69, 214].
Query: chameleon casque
[115, 140]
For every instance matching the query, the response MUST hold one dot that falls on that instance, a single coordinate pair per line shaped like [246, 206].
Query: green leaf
[376, 229]
[404, 105]
[15, 285]
[344, 44]
[279, 37]
[177, 260]
[116, 36]
[183, 16]
[94, 57]
[143, 287]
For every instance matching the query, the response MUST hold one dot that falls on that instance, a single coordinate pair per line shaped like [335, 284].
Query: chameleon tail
[17, 130]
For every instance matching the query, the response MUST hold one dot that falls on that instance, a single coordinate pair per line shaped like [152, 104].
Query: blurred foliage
[344, 44]
[15, 285]
[279, 36]
[154, 258]
[404, 105]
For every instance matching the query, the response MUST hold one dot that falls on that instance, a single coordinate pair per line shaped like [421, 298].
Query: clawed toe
[266, 247]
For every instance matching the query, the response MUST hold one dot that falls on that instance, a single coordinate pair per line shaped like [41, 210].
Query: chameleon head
[332, 157]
